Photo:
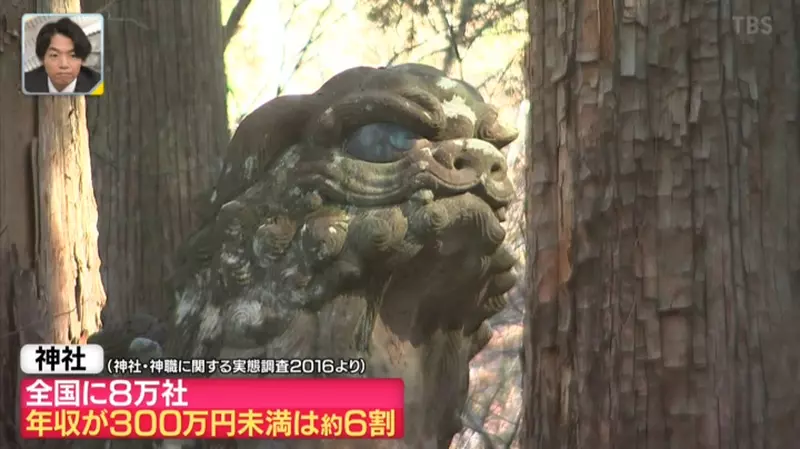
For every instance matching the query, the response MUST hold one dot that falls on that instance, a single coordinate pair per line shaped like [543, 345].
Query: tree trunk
[664, 226]
[50, 286]
[157, 136]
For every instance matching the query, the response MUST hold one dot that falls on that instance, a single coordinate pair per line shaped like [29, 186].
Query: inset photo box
[62, 54]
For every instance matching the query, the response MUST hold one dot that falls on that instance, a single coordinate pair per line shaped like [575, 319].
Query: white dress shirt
[67, 90]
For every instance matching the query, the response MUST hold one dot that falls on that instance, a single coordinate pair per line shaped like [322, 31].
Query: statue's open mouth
[431, 221]
[455, 185]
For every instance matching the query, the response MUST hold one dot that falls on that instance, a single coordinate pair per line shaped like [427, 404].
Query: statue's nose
[481, 157]
[481, 161]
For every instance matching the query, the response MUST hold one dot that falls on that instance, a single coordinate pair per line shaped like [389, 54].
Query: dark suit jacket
[36, 81]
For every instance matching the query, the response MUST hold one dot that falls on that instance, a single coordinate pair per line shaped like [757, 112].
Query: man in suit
[62, 47]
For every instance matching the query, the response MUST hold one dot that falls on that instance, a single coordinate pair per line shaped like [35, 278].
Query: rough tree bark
[156, 137]
[50, 285]
[664, 226]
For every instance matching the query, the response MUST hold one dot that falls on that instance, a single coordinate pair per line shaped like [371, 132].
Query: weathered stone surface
[361, 221]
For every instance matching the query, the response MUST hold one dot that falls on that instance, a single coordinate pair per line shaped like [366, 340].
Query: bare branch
[434, 52]
[316, 33]
[131, 21]
[232, 25]
[405, 51]
[498, 75]
[452, 54]
[106, 7]
[290, 16]
[286, 24]
[303, 56]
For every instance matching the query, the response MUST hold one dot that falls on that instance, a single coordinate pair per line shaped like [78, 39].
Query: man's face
[60, 62]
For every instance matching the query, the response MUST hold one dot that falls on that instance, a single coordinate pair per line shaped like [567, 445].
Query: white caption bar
[62, 359]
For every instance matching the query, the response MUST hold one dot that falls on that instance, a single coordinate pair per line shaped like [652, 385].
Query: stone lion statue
[360, 221]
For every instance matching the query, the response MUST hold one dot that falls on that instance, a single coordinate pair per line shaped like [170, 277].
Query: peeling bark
[50, 287]
[68, 265]
[664, 226]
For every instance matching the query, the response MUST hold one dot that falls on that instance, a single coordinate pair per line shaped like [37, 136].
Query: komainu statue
[360, 221]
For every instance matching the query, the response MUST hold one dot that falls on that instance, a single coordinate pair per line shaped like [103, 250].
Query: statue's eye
[380, 142]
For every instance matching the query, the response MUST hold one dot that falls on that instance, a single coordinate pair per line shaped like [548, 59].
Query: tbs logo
[751, 25]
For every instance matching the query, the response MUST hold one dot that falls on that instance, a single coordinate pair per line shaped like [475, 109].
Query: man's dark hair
[64, 27]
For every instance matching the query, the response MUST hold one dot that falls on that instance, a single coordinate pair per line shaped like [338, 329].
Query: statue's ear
[258, 140]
